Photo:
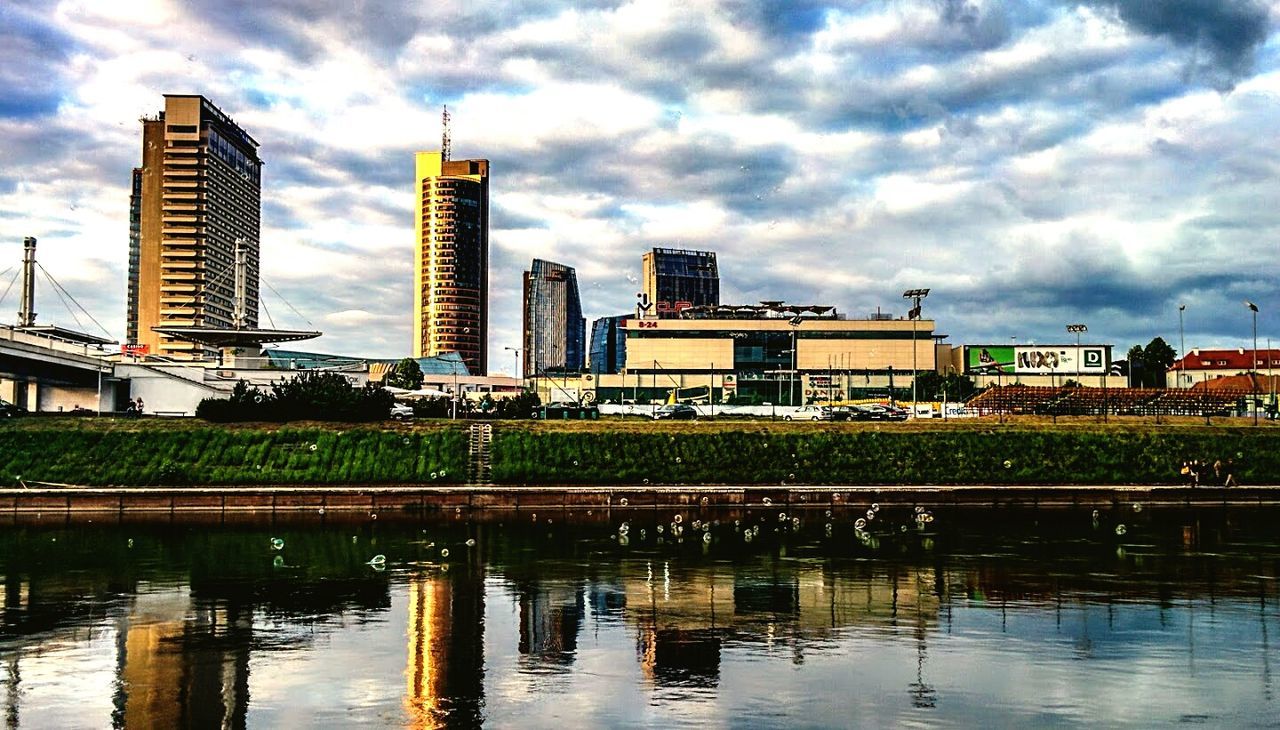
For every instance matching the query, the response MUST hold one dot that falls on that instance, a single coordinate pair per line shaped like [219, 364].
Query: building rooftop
[764, 310]
[1240, 359]
[449, 363]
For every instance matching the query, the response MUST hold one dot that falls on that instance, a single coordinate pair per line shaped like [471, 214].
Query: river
[643, 618]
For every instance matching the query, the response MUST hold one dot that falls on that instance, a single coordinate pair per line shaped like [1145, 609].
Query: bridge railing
[51, 342]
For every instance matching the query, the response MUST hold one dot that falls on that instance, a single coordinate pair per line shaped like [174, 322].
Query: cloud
[1033, 163]
[1224, 34]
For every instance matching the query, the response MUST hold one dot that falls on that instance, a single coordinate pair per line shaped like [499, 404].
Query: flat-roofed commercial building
[197, 192]
[451, 259]
[554, 330]
[772, 353]
[675, 279]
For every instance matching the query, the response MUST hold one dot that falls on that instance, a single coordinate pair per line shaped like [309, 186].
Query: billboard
[1037, 359]
[988, 360]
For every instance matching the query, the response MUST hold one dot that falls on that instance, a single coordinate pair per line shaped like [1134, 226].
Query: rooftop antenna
[445, 142]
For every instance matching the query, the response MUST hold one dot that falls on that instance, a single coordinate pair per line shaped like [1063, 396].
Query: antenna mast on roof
[445, 142]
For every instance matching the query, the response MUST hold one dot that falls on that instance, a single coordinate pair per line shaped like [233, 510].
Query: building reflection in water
[445, 671]
[686, 619]
[551, 616]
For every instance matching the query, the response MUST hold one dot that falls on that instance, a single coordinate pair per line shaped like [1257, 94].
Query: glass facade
[608, 345]
[554, 329]
[452, 259]
[675, 279]
[135, 254]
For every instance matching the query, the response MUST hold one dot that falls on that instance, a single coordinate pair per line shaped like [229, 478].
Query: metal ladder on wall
[479, 438]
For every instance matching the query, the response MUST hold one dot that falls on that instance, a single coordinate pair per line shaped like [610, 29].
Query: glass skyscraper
[675, 279]
[608, 345]
[554, 329]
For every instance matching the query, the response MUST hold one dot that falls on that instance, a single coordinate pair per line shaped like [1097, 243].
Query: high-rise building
[676, 279]
[608, 345]
[554, 330]
[197, 192]
[451, 259]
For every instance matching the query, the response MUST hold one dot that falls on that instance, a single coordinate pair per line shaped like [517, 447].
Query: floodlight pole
[1077, 328]
[1254, 378]
[1182, 347]
[916, 296]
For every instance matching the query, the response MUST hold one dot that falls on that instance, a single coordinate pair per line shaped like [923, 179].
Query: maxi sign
[1036, 360]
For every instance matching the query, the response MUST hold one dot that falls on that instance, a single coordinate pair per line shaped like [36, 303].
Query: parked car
[876, 412]
[896, 413]
[9, 410]
[675, 412]
[401, 411]
[808, 413]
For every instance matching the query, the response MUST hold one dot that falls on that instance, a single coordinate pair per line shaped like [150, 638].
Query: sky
[1033, 163]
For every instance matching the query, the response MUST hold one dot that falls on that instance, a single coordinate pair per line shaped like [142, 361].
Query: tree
[956, 386]
[1160, 357]
[1150, 364]
[406, 374]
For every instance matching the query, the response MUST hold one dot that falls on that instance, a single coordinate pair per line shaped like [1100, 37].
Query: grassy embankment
[170, 452]
[958, 452]
[1079, 451]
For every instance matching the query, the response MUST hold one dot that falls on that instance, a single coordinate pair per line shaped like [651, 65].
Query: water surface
[723, 619]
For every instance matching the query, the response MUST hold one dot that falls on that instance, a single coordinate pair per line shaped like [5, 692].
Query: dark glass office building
[554, 329]
[676, 279]
[608, 345]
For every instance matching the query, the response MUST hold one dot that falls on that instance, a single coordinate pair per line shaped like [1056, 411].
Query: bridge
[45, 368]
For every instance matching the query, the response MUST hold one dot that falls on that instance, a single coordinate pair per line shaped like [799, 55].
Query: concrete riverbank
[391, 501]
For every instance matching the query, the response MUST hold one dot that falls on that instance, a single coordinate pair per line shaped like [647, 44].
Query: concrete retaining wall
[414, 500]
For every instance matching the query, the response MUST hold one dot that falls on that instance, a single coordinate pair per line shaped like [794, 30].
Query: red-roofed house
[1201, 365]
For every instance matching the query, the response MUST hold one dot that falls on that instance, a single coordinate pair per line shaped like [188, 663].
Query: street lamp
[515, 363]
[795, 323]
[1254, 379]
[790, 352]
[1077, 328]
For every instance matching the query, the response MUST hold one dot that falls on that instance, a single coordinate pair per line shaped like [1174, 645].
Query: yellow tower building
[451, 259]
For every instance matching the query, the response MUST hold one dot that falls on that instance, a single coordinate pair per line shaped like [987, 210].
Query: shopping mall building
[767, 353]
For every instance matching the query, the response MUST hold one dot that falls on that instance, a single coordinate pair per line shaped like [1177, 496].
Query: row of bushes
[312, 395]
[219, 456]
[1033, 456]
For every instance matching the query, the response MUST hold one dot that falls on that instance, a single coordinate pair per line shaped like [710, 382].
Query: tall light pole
[795, 323]
[515, 363]
[1182, 348]
[916, 296]
[1078, 329]
[1254, 308]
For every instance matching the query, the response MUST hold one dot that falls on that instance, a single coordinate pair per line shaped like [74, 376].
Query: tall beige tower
[451, 259]
[199, 190]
